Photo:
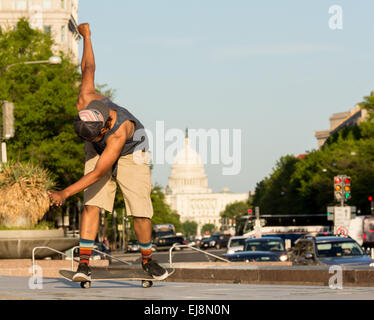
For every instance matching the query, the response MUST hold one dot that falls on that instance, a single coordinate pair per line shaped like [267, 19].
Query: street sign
[342, 219]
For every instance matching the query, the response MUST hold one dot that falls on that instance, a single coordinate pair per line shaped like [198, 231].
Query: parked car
[267, 244]
[191, 241]
[236, 244]
[166, 242]
[328, 250]
[252, 256]
[217, 241]
[292, 237]
[133, 246]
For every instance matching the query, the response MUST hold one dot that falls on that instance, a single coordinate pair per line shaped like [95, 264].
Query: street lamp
[52, 60]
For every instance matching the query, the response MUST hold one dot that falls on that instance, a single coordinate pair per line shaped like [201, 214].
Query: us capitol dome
[188, 192]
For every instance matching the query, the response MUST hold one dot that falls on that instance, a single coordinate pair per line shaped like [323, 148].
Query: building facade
[188, 192]
[341, 120]
[53, 16]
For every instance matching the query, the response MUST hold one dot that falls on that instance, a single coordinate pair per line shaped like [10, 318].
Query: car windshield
[269, 245]
[237, 242]
[339, 249]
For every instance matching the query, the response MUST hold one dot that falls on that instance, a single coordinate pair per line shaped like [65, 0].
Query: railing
[177, 245]
[72, 256]
[51, 249]
[105, 255]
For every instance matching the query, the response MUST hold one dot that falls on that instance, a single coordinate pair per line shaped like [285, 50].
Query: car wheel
[218, 246]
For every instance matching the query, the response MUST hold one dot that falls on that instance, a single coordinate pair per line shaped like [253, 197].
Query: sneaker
[83, 273]
[155, 270]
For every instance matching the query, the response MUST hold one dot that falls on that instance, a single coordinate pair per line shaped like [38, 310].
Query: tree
[235, 210]
[162, 211]
[44, 97]
[189, 228]
[208, 228]
[276, 194]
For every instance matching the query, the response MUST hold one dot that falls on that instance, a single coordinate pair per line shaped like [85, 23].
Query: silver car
[236, 244]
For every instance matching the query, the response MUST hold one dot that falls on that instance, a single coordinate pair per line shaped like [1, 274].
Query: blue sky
[273, 69]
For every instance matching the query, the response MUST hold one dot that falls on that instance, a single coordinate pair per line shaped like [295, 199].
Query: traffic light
[338, 188]
[250, 211]
[347, 188]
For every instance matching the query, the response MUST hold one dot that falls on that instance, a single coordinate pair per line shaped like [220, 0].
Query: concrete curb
[238, 273]
[261, 275]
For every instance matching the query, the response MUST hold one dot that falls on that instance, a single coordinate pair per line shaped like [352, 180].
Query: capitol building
[188, 192]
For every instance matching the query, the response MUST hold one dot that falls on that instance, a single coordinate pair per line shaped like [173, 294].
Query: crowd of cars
[308, 249]
[299, 249]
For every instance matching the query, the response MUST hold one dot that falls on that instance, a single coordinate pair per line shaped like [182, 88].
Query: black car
[328, 250]
[273, 245]
[166, 242]
[217, 241]
[292, 237]
[252, 256]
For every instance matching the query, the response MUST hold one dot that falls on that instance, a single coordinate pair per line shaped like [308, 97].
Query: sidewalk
[215, 272]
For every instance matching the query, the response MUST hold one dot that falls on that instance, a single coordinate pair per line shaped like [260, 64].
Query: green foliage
[236, 210]
[45, 97]
[189, 228]
[208, 228]
[162, 212]
[306, 185]
[43, 225]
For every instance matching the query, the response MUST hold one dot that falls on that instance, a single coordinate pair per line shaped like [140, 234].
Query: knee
[90, 210]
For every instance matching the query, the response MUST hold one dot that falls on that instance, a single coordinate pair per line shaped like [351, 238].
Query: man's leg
[88, 232]
[143, 231]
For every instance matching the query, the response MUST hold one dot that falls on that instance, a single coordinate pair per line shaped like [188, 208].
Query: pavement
[18, 288]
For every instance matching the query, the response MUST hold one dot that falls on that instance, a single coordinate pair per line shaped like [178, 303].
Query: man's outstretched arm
[88, 67]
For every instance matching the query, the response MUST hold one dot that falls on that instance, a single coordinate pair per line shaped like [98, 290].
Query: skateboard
[116, 274]
[73, 27]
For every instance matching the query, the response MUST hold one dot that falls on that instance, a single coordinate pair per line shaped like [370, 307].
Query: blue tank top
[138, 142]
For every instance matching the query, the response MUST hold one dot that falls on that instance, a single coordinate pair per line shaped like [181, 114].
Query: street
[59, 289]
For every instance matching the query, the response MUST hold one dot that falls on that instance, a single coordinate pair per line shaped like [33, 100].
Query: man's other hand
[84, 30]
[57, 198]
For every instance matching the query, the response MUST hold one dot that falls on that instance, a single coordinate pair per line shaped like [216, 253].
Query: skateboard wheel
[86, 285]
[147, 284]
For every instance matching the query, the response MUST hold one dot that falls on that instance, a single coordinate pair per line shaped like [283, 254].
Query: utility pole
[7, 131]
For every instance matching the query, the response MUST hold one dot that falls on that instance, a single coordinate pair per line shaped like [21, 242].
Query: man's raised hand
[84, 30]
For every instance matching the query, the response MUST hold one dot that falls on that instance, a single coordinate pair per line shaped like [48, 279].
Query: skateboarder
[116, 148]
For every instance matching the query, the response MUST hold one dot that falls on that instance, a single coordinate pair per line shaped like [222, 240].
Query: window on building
[13, 4]
[21, 5]
[47, 4]
[1, 4]
[62, 4]
[47, 29]
[63, 34]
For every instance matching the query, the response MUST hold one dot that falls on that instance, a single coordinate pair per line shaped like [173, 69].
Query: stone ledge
[50, 268]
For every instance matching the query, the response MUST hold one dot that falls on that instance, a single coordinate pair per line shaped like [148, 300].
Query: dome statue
[188, 173]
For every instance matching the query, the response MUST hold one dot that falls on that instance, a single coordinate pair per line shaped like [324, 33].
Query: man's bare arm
[104, 164]
[88, 67]
[110, 155]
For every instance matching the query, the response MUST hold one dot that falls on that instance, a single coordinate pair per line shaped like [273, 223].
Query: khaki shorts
[133, 177]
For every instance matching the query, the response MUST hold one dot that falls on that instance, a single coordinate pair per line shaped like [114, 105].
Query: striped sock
[146, 251]
[85, 249]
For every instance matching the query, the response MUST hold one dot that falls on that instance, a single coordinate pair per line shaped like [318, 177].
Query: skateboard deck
[111, 275]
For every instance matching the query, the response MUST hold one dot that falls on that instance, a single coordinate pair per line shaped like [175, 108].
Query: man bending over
[116, 150]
